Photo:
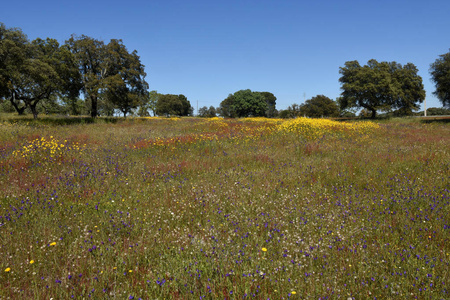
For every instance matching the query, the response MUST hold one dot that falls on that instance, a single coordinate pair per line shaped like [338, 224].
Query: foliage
[319, 106]
[291, 112]
[32, 72]
[347, 114]
[6, 106]
[50, 105]
[409, 88]
[125, 86]
[109, 71]
[381, 86]
[270, 100]
[90, 58]
[440, 75]
[45, 73]
[104, 106]
[403, 112]
[206, 112]
[438, 111]
[365, 113]
[13, 54]
[173, 105]
[283, 114]
[74, 106]
[245, 103]
[249, 104]
[226, 107]
[148, 104]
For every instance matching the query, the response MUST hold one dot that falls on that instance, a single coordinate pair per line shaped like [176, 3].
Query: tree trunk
[20, 110]
[94, 111]
[34, 110]
[374, 113]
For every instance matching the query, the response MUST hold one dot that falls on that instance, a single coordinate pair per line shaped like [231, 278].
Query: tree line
[387, 87]
[45, 76]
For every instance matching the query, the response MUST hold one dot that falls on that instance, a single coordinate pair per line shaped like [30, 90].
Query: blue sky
[209, 49]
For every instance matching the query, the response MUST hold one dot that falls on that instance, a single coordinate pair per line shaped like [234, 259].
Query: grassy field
[225, 209]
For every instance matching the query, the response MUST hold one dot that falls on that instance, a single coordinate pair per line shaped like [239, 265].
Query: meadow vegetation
[191, 208]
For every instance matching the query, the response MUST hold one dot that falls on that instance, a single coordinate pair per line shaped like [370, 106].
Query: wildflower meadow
[192, 208]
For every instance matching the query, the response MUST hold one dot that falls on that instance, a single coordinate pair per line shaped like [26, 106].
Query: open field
[225, 209]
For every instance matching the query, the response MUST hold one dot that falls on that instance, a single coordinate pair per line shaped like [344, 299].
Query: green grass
[182, 209]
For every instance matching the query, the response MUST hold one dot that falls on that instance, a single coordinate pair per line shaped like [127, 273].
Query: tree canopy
[440, 75]
[438, 111]
[33, 71]
[270, 102]
[44, 76]
[90, 58]
[380, 86]
[45, 71]
[173, 105]
[246, 103]
[13, 55]
[148, 104]
[125, 85]
[206, 112]
[226, 107]
[109, 71]
[319, 106]
[249, 104]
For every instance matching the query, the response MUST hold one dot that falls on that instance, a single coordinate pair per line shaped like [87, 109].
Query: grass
[224, 209]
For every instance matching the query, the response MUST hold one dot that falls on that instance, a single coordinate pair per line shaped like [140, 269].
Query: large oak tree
[440, 74]
[380, 86]
[245, 103]
[226, 107]
[109, 71]
[13, 55]
[33, 71]
[270, 102]
[125, 84]
[90, 56]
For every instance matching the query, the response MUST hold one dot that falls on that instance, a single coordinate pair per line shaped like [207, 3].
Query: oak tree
[246, 103]
[108, 71]
[226, 107]
[124, 84]
[319, 106]
[90, 57]
[380, 86]
[173, 105]
[440, 75]
[270, 102]
[33, 71]
[206, 112]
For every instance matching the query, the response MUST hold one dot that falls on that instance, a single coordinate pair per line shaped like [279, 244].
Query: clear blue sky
[209, 49]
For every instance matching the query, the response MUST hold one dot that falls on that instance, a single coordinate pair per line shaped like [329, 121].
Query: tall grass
[224, 209]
